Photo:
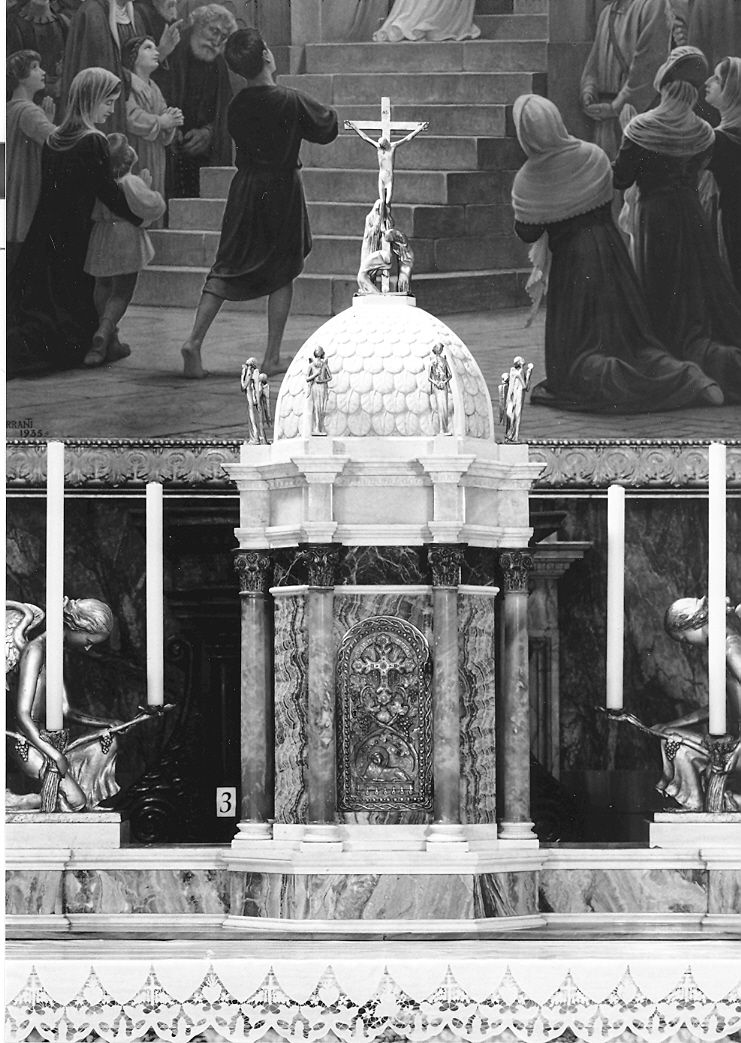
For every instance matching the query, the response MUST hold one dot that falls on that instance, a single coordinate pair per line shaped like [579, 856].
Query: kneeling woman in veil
[601, 353]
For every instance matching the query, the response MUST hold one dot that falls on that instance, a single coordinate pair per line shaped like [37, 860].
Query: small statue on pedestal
[256, 391]
[375, 253]
[512, 397]
[317, 387]
[263, 406]
[72, 776]
[439, 376]
[701, 771]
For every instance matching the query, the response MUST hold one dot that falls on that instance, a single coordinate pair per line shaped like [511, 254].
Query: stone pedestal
[86, 829]
[695, 829]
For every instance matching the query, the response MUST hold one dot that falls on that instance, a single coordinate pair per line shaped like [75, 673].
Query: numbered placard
[226, 801]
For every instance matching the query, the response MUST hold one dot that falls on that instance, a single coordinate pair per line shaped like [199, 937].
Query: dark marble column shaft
[257, 712]
[321, 742]
[445, 561]
[514, 705]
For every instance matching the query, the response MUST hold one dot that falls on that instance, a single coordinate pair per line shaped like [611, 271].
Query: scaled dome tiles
[378, 353]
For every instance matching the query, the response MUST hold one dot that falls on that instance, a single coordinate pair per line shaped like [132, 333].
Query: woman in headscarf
[600, 351]
[690, 296]
[51, 313]
[723, 92]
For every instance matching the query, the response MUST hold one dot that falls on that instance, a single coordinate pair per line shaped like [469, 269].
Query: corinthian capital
[321, 561]
[252, 568]
[516, 566]
[445, 562]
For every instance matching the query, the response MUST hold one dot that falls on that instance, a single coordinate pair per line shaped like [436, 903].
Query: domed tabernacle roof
[378, 353]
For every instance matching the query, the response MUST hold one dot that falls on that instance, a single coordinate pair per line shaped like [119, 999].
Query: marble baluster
[321, 754]
[514, 705]
[445, 562]
[257, 714]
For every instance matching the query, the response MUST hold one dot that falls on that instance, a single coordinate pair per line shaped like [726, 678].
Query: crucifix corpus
[376, 252]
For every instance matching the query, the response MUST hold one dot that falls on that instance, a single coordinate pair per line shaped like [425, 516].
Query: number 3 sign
[226, 801]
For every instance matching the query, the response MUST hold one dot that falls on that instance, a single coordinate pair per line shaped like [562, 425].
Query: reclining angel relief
[63, 775]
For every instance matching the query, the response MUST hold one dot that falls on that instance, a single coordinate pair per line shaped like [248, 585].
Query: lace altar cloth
[359, 1000]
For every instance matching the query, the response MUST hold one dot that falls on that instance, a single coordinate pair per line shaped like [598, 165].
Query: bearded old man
[633, 39]
[98, 31]
[197, 81]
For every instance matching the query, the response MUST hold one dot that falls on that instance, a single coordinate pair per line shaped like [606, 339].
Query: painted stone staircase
[451, 184]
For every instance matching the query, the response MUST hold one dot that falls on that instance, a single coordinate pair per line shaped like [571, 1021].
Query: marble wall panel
[32, 892]
[379, 565]
[505, 894]
[362, 896]
[476, 671]
[146, 891]
[291, 708]
[725, 891]
[624, 891]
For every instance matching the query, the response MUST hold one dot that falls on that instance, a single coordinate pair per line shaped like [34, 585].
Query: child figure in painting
[27, 128]
[118, 250]
[150, 122]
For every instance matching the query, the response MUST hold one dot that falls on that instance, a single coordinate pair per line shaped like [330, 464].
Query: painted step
[410, 186]
[441, 294]
[483, 121]
[490, 7]
[425, 152]
[524, 26]
[336, 253]
[420, 222]
[416, 88]
[466, 56]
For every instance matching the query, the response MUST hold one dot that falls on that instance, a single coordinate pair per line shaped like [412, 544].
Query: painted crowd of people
[641, 317]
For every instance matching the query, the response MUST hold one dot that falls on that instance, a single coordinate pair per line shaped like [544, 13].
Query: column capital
[516, 566]
[445, 560]
[252, 568]
[321, 561]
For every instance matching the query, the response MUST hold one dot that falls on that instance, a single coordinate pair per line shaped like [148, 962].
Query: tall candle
[615, 595]
[54, 586]
[717, 588]
[155, 596]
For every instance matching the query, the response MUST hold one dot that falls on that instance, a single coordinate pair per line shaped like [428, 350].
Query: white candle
[615, 595]
[717, 588]
[54, 586]
[155, 597]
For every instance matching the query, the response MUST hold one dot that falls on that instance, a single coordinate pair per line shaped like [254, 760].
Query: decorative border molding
[127, 464]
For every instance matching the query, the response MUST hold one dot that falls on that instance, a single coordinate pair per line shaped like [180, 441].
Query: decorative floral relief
[507, 1013]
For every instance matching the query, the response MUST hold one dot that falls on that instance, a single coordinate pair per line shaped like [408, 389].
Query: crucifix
[385, 149]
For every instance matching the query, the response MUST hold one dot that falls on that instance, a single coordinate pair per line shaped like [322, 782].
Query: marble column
[445, 563]
[321, 759]
[257, 715]
[514, 702]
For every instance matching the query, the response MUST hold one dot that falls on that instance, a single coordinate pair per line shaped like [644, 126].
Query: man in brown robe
[633, 39]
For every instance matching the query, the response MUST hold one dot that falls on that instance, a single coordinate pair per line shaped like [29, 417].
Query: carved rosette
[321, 560]
[253, 568]
[384, 717]
[516, 566]
[445, 560]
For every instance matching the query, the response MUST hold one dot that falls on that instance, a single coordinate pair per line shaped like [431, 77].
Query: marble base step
[695, 829]
[440, 293]
[445, 88]
[89, 829]
[415, 187]
[446, 56]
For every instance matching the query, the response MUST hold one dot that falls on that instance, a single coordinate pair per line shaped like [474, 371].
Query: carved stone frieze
[642, 464]
[321, 561]
[253, 568]
[193, 463]
[384, 717]
[516, 566]
[445, 560]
